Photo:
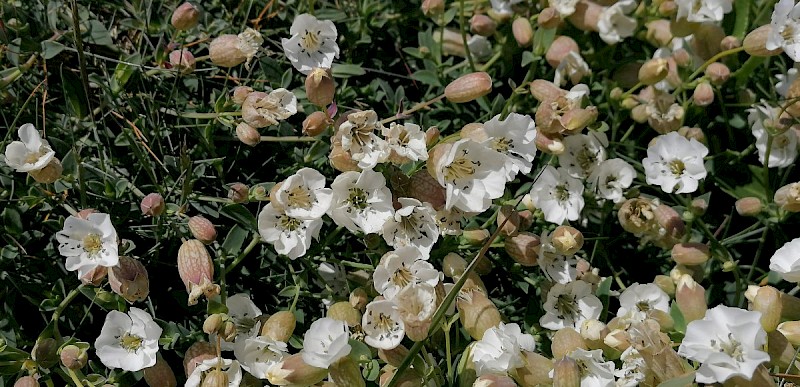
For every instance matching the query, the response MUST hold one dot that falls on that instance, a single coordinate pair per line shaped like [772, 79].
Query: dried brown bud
[508, 219]
[523, 32]
[359, 298]
[196, 270]
[215, 377]
[482, 25]
[185, 17]
[45, 352]
[202, 229]
[469, 87]
[49, 174]
[431, 136]
[247, 134]
[320, 87]
[238, 193]
[791, 331]
[182, 60]
[524, 248]
[425, 188]
[316, 123]
[129, 279]
[152, 204]
[160, 374]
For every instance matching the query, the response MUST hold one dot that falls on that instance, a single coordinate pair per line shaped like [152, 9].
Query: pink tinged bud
[26, 381]
[524, 248]
[185, 17]
[196, 270]
[202, 229]
[544, 90]
[224, 51]
[718, 73]
[667, 8]
[320, 87]
[566, 373]
[690, 253]
[153, 204]
[703, 95]
[239, 193]
[730, 43]
[707, 39]
[755, 43]
[129, 279]
[559, 49]
[549, 18]
[432, 136]
[160, 374]
[508, 219]
[316, 123]
[240, 94]
[95, 276]
[565, 341]
[768, 301]
[247, 134]
[523, 32]
[671, 226]
[182, 60]
[469, 87]
[659, 33]
[432, 7]
[691, 299]
[549, 143]
[586, 15]
[84, 213]
[482, 25]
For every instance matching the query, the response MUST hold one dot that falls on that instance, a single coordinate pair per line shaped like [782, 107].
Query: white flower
[416, 304]
[449, 221]
[231, 368]
[361, 201]
[643, 297]
[786, 261]
[556, 267]
[403, 267]
[262, 109]
[290, 236]
[249, 43]
[614, 24]
[633, 370]
[244, 312]
[610, 179]
[559, 195]
[569, 305]
[727, 341]
[382, 324]
[500, 349]
[783, 150]
[572, 67]
[564, 7]
[503, 7]
[128, 341]
[31, 154]
[479, 47]
[303, 195]
[785, 31]
[334, 277]
[701, 11]
[594, 371]
[583, 153]
[785, 81]
[513, 137]
[88, 243]
[406, 141]
[412, 225]
[325, 342]
[675, 163]
[258, 354]
[313, 43]
[469, 172]
[359, 138]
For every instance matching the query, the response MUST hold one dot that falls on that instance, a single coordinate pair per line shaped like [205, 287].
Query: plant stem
[63, 305]
[253, 243]
[416, 107]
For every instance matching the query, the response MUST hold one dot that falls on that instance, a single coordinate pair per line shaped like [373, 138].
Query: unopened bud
[247, 134]
[73, 357]
[682, 57]
[658, 33]
[45, 352]
[280, 326]
[196, 270]
[196, 354]
[690, 253]
[475, 237]
[755, 43]
[359, 298]
[343, 311]
[453, 265]
[780, 350]
[477, 314]
[749, 206]
[567, 240]
[182, 60]
[566, 373]
[185, 17]
[691, 299]
[432, 7]
[549, 18]
[239, 193]
[639, 113]
[202, 229]
[160, 374]
[524, 248]
[730, 43]
[129, 279]
[292, 370]
[214, 323]
[469, 87]
[523, 32]
[768, 302]
[508, 220]
[653, 71]
[482, 25]
[26, 381]
[240, 94]
[320, 87]
[152, 204]
[718, 73]
[561, 47]
[224, 51]
[665, 283]
[788, 197]
[703, 94]
[791, 330]
[50, 173]
[431, 136]
[215, 377]
[586, 16]
[667, 8]
[494, 380]
[316, 123]
[566, 340]
[549, 143]
[536, 370]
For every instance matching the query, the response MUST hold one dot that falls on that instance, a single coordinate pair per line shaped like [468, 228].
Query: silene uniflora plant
[570, 193]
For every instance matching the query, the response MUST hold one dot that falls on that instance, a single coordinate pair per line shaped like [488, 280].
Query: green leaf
[742, 10]
[234, 240]
[527, 58]
[50, 49]
[677, 317]
[347, 70]
[240, 214]
[123, 73]
[359, 351]
[98, 34]
[74, 93]
[428, 77]
[12, 221]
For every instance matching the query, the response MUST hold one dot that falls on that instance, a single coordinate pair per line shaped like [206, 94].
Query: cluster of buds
[222, 325]
[652, 222]
[560, 113]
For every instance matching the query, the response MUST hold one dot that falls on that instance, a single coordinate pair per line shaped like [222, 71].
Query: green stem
[288, 139]
[253, 243]
[60, 308]
[462, 23]
[714, 59]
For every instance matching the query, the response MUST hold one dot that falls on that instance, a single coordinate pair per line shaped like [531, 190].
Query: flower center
[384, 322]
[92, 244]
[566, 306]
[676, 167]
[730, 347]
[503, 144]
[288, 223]
[788, 32]
[130, 342]
[460, 168]
[643, 306]
[33, 157]
[244, 324]
[402, 277]
[311, 41]
[300, 197]
[357, 198]
[562, 192]
[586, 158]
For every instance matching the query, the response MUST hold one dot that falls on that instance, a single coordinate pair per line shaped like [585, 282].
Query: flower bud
[202, 229]
[320, 87]
[617, 339]
[292, 370]
[524, 248]
[26, 381]
[549, 18]
[749, 206]
[639, 113]
[576, 119]
[566, 373]
[755, 43]
[341, 160]
[129, 279]
[690, 253]
[691, 299]
[45, 352]
[152, 204]
[718, 73]
[214, 323]
[544, 90]
[788, 197]
[431, 136]
[791, 331]
[425, 188]
[453, 265]
[359, 298]
[345, 372]
[160, 374]
[238, 193]
[224, 51]
[432, 7]
[670, 226]
[729, 43]
[316, 123]
[667, 8]
[280, 326]
[477, 314]
[653, 71]
[183, 61]
[343, 311]
[482, 25]
[566, 340]
[593, 333]
[247, 134]
[567, 240]
[215, 377]
[475, 237]
[196, 354]
[536, 370]
[560, 49]
[549, 143]
[586, 16]
[508, 220]
[49, 174]
[703, 94]
[73, 357]
[665, 283]
[768, 302]
[659, 33]
[468, 87]
[185, 17]
[408, 378]
[240, 94]
[637, 215]
[196, 270]
[523, 32]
